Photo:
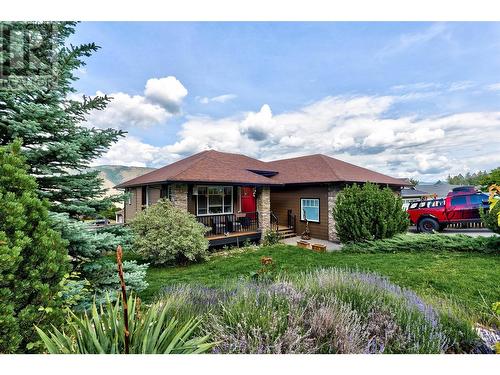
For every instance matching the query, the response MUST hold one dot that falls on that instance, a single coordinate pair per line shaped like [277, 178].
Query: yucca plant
[120, 327]
[102, 331]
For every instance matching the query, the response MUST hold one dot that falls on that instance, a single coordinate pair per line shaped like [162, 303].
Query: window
[458, 201]
[129, 191]
[144, 196]
[478, 199]
[309, 209]
[436, 203]
[166, 192]
[214, 200]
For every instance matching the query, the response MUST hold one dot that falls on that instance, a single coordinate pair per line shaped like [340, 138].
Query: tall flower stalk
[119, 257]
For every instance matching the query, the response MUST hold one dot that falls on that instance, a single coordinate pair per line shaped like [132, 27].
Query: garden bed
[470, 279]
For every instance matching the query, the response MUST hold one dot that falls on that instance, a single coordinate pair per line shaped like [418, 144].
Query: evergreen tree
[86, 248]
[36, 107]
[33, 257]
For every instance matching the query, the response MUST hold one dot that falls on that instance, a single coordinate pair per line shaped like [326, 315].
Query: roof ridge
[324, 158]
[201, 153]
[165, 166]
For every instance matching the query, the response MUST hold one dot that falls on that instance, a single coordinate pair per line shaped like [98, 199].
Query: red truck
[460, 206]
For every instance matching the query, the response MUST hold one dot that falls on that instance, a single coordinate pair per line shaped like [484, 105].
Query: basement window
[309, 209]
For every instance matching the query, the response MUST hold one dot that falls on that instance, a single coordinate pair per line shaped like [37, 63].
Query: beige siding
[154, 194]
[131, 209]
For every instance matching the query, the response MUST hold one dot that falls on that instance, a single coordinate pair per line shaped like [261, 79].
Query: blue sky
[407, 99]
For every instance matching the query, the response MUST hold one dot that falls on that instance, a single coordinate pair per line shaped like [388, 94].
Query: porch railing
[274, 222]
[230, 223]
[291, 220]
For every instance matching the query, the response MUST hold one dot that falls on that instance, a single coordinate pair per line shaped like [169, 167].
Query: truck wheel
[428, 225]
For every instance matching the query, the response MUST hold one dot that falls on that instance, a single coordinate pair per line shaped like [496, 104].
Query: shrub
[271, 237]
[428, 242]
[165, 234]
[325, 311]
[491, 218]
[102, 332]
[33, 257]
[368, 212]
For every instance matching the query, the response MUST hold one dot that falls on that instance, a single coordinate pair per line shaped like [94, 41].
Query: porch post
[180, 196]
[332, 196]
[264, 208]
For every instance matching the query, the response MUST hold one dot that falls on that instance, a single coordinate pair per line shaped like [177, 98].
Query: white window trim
[129, 191]
[208, 206]
[302, 218]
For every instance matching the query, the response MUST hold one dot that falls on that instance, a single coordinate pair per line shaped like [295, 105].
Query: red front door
[248, 200]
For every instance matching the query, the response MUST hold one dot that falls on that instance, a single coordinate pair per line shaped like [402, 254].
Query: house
[439, 189]
[239, 198]
[119, 217]
[411, 194]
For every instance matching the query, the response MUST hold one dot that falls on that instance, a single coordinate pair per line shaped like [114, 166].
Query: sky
[418, 100]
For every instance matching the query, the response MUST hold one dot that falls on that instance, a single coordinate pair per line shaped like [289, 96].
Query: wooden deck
[235, 238]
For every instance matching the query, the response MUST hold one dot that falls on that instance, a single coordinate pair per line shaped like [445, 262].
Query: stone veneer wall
[264, 208]
[180, 196]
[332, 196]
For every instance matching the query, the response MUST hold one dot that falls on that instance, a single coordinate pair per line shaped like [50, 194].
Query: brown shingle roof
[208, 166]
[322, 168]
[214, 166]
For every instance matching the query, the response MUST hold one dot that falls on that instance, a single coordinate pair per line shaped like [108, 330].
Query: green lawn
[464, 277]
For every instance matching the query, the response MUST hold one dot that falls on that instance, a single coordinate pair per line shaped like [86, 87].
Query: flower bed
[325, 311]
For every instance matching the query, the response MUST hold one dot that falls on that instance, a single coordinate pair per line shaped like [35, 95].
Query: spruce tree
[36, 75]
[33, 257]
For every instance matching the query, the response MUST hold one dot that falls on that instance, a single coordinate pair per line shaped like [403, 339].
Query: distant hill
[115, 174]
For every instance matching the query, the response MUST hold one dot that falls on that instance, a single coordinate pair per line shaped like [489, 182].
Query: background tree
[37, 108]
[491, 178]
[368, 212]
[33, 257]
[469, 178]
[413, 181]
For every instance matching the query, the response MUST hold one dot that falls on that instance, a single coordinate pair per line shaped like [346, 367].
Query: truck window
[478, 198]
[458, 201]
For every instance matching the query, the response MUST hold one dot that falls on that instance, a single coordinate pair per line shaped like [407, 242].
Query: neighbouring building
[238, 197]
[412, 194]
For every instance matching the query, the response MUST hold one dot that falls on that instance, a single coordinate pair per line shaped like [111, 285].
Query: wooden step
[288, 234]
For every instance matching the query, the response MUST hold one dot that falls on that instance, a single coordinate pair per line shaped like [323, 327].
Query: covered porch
[224, 229]
[232, 214]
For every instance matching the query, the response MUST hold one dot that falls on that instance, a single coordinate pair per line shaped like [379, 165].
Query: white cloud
[417, 86]
[162, 99]
[494, 87]
[461, 85]
[167, 92]
[125, 112]
[217, 99]
[130, 151]
[411, 40]
[357, 129]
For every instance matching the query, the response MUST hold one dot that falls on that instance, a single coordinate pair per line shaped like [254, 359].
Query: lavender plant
[325, 311]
